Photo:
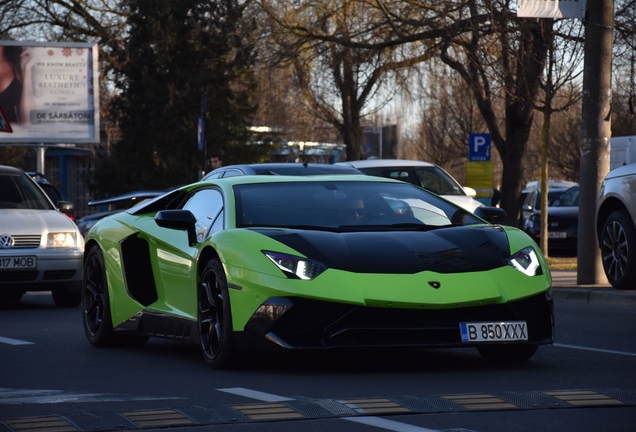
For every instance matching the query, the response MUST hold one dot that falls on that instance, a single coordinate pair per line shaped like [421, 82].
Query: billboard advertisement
[49, 92]
[551, 9]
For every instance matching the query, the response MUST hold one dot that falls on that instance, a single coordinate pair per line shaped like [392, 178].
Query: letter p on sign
[479, 148]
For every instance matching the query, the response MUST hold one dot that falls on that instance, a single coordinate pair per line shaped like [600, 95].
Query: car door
[178, 264]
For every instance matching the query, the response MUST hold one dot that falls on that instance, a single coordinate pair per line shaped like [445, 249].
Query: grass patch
[562, 263]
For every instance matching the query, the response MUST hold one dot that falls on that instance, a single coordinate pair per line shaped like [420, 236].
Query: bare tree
[340, 82]
[624, 65]
[449, 115]
[500, 56]
[563, 69]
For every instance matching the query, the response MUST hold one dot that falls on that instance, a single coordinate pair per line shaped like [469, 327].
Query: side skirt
[154, 324]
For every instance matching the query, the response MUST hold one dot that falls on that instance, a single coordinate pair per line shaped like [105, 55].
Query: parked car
[423, 174]
[295, 169]
[563, 222]
[534, 185]
[40, 248]
[304, 262]
[115, 204]
[531, 206]
[50, 190]
[616, 226]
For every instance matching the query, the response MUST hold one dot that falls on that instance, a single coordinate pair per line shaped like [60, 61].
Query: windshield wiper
[421, 227]
[394, 227]
[313, 227]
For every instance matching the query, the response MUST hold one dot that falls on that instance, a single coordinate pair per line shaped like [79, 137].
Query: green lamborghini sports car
[306, 263]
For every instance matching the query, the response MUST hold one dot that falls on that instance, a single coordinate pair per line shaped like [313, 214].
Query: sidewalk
[564, 287]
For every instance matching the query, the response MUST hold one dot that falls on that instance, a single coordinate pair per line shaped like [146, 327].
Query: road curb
[604, 295]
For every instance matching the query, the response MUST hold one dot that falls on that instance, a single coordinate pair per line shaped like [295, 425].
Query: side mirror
[178, 220]
[470, 191]
[67, 208]
[493, 215]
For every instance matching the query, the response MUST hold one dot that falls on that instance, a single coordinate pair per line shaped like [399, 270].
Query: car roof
[376, 163]
[552, 184]
[247, 179]
[4, 169]
[274, 168]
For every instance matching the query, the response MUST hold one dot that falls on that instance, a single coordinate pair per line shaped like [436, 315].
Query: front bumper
[300, 323]
[54, 270]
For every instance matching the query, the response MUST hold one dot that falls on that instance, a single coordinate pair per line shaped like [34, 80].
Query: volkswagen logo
[6, 241]
[435, 284]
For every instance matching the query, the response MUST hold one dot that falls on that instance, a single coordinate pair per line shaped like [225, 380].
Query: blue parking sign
[479, 148]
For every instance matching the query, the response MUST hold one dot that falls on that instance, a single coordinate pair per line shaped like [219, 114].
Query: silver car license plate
[18, 262]
[493, 331]
[557, 234]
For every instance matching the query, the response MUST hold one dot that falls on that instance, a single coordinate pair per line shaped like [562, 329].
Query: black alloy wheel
[215, 317]
[618, 250]
[98, 325]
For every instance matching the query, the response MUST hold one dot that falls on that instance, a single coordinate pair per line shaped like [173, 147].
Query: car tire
[68, 297]
[98, 324]
[11, 295]
[508, 352]
[215, 317]
[618, 250]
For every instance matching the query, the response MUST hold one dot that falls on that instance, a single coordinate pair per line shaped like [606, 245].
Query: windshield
[19, 192]
[551, 197]
[570, 198]
[340, 204]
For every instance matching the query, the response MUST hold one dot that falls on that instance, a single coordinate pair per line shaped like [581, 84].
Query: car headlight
[296, 267]
[61, 240]
[526, 261]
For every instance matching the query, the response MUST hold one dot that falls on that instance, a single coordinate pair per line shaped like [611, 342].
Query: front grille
[311, 323]
[26, 241]
[58, 274]
[18, 276]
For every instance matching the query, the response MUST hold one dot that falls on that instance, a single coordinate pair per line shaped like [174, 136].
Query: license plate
[18, 262]
[493, 331]
[557, 234]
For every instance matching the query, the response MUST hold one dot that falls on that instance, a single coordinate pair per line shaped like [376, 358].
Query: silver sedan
[41, 248]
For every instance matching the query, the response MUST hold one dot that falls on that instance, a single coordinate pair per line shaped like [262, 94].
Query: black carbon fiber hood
[444, 250]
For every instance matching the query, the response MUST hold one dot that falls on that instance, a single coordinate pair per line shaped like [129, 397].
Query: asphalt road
[52, 379]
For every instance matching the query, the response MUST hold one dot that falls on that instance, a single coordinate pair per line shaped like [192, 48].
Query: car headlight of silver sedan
[61, 240]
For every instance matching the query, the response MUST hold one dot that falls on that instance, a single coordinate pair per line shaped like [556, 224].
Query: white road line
[10, 396]
[595, 349]
[388, 424]
[10, 341]
[254, 394]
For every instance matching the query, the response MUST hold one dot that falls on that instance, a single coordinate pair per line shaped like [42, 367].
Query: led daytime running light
[526, 261]
[296, 267]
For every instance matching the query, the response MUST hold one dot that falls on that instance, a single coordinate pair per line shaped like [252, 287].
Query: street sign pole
[204, 108]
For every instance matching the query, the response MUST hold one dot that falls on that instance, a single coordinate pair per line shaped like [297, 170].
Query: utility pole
[204, 109]
[595, 133]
